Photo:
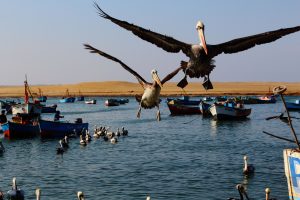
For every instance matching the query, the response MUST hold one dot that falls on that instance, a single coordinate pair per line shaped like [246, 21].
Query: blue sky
[43, 39]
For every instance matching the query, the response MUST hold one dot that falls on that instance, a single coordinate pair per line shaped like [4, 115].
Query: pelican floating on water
[38, 193]
[150, 97]
[248, 168]
[80, 195]
[15, 193]
[201, 55]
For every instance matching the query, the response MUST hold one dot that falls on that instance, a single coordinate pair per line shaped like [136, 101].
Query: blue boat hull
[17, 130]
[52, 129]
[67, 100]
[292, 106]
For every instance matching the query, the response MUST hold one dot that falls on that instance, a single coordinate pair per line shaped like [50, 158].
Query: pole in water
[280, 90]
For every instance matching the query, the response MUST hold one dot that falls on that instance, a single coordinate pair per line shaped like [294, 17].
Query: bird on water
[200, 55]
[248, 168]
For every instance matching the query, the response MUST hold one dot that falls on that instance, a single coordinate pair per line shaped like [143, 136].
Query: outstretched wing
[94, 50]
[167, 43]
[245, 43]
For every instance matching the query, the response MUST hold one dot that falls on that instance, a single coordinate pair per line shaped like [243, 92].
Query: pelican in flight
[150, 97]
[201, 55]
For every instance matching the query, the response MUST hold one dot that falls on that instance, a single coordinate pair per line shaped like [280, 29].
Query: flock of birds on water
[85, 137]
[17, 194]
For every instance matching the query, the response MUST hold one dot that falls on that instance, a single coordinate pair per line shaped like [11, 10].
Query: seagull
[200, 55]
[150, 97]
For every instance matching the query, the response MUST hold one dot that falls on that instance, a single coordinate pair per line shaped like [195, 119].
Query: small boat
[92, 101]
[185, 100]
[291, 164]
[112, 102]
[293, 105]
[21, 126]
[67, 98]
[204, 108]
[122, 101]
[229, 110]
[41, 97]
[177, 108]
[259, 100]
[208, 98]
[59, 129]
[80, 97]
[27, 108]
[49, 109]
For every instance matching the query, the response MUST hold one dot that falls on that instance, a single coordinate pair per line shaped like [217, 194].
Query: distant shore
[118, 88]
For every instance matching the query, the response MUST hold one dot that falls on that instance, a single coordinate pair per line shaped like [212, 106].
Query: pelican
[201, 55]
[242, 192]
[15, 193]
[268, 191]
[150, 97]
[80, 195]
[248, 168]
[60, 149]
[37, 193]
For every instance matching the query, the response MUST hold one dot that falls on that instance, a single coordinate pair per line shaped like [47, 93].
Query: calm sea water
[180, 157]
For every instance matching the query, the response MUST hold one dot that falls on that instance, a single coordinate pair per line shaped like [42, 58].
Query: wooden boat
[229, 110]
[293, 105]
[112, 102]
[177, 108]
[49, 109]
[122, 101]
[41, 97]
[185, 100]
[67, 98]
[27, 108]
[204, 108]
[92, 101]
[259, 100]
[21, 126]
[59, 129]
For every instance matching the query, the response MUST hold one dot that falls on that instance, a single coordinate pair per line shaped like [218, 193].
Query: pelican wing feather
[140, 79]
[244, 43]
[167, 43]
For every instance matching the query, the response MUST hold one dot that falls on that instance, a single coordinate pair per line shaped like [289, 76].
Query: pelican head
[200, 29]
[155, 77]
[245, 158]
[14, 183]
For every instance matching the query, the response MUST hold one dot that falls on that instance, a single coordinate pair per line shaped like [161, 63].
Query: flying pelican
[150, 97]
[201, 55]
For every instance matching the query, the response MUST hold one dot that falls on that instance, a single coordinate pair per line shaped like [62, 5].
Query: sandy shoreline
[118, 88]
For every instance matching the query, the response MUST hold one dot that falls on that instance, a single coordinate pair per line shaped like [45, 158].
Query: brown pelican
[242, 192]
[15, 193]
[37, 193]
[248, 168]
[268, 191]
[150, 97]
[201, 55]
[80, 195]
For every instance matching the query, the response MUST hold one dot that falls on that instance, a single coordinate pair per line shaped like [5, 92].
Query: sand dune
[117, 88]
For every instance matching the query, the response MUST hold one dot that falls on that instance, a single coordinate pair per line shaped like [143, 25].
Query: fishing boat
[178, 108]
[259, 99]
[67, 98]
[185, 100]
[41, 97]
[293, 105]
[59, 129]
[91, 101]
[112, 102]
[21, 126]
[80, 97]
[49, 109]
[204, 108]
[122, 101]
[229, 110]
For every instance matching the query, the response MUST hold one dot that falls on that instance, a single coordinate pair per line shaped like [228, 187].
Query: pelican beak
[202, 39]
[156, 79]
